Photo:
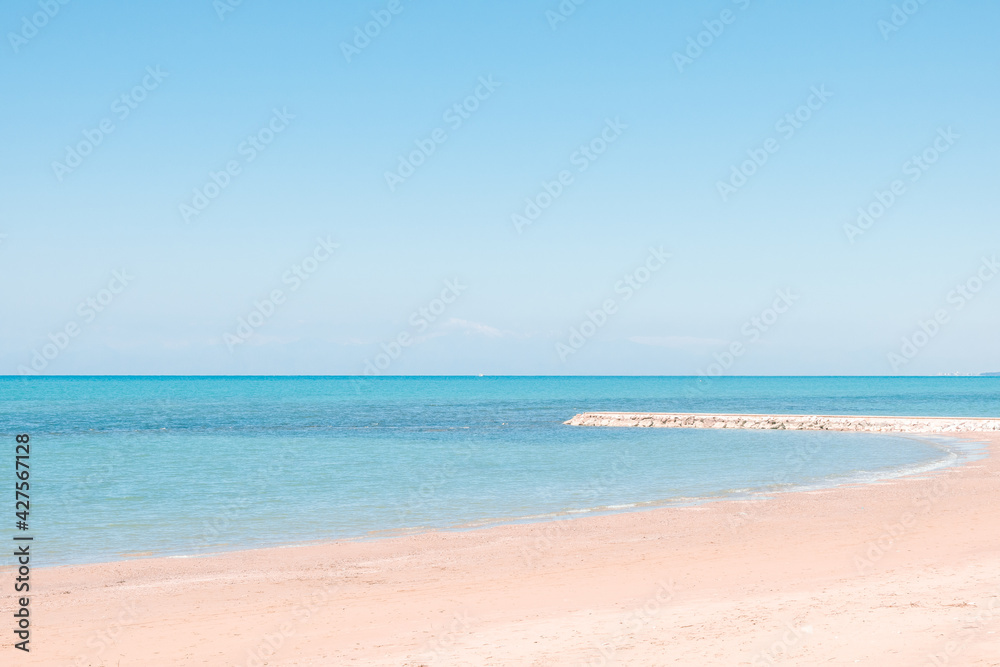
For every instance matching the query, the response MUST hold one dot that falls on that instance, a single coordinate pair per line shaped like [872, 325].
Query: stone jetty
[787, 422]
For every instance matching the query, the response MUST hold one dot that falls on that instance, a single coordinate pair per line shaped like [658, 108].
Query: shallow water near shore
[134, 467]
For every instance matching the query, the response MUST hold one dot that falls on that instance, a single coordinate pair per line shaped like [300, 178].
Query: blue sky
[597, 99]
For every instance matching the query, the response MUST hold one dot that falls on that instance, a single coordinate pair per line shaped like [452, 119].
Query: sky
[416, 187]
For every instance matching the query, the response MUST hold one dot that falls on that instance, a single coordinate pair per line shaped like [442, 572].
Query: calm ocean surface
[126, 467]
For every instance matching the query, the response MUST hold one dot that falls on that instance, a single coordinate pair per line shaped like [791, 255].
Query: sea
[134, 467]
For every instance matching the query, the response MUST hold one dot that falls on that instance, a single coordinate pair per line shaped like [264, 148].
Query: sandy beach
[902, 572]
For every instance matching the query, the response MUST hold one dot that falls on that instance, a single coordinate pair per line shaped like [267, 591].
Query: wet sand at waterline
[890, 573]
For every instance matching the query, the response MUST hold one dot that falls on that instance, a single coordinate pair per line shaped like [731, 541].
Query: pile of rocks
[787, 422]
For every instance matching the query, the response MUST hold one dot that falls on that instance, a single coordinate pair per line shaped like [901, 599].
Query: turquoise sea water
[125, 467]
